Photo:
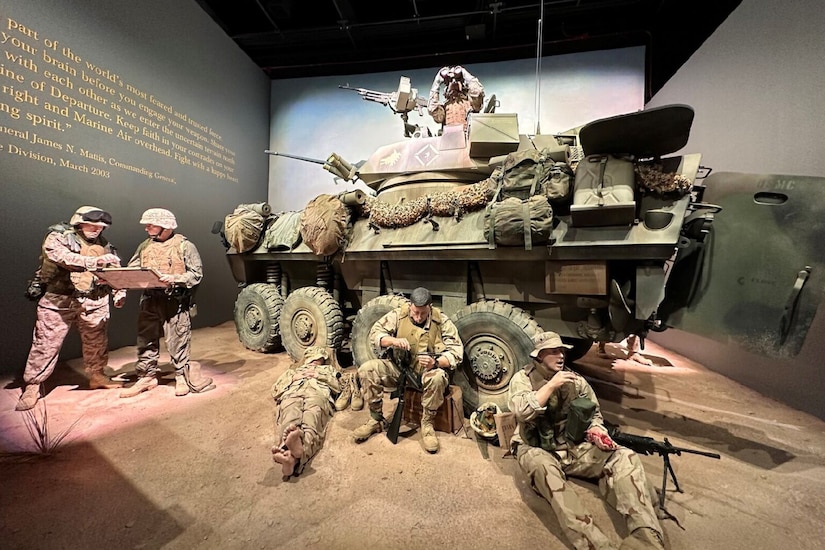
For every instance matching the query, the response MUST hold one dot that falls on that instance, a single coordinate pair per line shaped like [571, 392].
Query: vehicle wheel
[498, 338]
[366, 317]
[580, 348]
[257, 316]
[310, 316]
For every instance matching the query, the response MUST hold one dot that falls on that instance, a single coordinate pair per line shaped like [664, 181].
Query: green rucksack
[533, 172]
[514, 222]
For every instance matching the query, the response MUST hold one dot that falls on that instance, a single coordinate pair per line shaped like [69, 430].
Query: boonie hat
[315, 352]
[547, 340]
[421, 297]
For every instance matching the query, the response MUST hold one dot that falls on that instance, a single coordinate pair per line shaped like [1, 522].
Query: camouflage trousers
[160, 316]
[311, 411]
[622, 484]
[56, 314]
[377, 373]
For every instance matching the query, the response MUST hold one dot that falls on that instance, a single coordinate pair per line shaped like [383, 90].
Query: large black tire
[257, 317]
[310, 316]
[580, 348]
[498, 338]
[373, 310]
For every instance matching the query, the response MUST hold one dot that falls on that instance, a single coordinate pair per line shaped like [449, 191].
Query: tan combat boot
[29, 398]
[196, 382]
[362, 433]
[144, 383]
[643, 538]
[181, 386]
[428, 437]
[346, 393]
[99, 381]
[357, 398]
[373, 426]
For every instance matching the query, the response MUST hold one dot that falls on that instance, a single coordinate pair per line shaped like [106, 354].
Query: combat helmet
[483, 420]
[91, 215]
[160, 217]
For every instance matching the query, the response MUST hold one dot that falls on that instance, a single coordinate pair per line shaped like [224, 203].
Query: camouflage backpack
[324, 224]
[243, 227]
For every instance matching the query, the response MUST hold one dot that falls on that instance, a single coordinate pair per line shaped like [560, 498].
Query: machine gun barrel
[648, 445]
[369, 95]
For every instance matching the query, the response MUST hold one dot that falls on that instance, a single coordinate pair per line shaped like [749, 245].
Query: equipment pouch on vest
[578, 419]
[36, 288]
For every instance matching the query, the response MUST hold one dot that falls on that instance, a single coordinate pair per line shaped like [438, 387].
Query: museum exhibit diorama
[568, 193]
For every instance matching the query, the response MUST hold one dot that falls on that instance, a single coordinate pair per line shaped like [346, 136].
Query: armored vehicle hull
[585, 279]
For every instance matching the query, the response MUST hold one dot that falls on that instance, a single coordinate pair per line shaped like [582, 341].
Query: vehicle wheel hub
[253, 319]
[304, 327]
[486, 365]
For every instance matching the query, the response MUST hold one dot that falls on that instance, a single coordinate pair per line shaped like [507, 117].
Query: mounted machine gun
[401, 102]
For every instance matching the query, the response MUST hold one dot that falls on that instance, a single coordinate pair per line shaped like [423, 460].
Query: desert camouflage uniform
[73, 297]
[164, 314]
[463, 94]
[437, 336]
[547, 458]
[306, 403]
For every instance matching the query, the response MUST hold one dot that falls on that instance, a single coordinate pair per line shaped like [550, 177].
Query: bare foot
[295, 442]
[289, 429]
[286, 460]
[639, 358]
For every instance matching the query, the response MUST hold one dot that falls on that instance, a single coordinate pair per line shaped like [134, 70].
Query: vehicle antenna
[539, 41]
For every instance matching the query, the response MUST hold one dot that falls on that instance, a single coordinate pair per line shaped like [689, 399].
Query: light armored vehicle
[612, 220]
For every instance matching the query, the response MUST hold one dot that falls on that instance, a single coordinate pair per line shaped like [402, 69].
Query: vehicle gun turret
[401, 102]
[334, 164]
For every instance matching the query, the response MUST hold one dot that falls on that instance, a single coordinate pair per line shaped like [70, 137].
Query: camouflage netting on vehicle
[522, 175]
[243, 227]
[653, 178]
[324, 224]
[447, 203]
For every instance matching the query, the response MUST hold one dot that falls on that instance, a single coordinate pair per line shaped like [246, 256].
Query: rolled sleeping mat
[261, 208]
[353, 198]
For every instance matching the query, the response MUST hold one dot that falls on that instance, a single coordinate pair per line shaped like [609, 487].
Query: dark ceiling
[300, 38]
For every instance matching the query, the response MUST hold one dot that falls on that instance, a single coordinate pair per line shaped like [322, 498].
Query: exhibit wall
[313, 117]
[756, 85]
[124, 106]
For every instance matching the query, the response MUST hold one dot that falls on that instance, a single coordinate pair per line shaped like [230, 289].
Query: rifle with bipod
[649, 446]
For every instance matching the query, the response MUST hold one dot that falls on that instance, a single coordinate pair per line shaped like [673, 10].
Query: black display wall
[124, 106]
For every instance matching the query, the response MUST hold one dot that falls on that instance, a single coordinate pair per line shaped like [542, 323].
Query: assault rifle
[403, 359]
[649, 446]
